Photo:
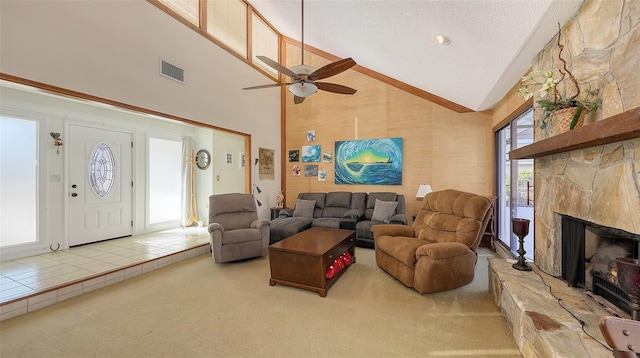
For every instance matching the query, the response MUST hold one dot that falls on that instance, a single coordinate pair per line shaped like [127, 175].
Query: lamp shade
[423, 190]
[303, 89]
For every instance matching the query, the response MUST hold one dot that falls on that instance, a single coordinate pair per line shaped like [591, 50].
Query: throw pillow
[384, 210]
[304, 208]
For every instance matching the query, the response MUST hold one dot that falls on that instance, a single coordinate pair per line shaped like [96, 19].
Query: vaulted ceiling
[493, 42]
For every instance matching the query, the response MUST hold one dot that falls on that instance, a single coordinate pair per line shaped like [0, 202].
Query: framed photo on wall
[310, 153]
[294, 155]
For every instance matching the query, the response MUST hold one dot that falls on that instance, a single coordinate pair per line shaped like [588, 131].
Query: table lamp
[423, 190]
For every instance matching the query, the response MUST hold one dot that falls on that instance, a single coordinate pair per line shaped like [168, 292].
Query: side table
[275, 212]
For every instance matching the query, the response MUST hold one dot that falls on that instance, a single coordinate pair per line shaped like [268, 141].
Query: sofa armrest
[215, 227]
[348, 224]
[260, 224]
[442, 250]
[398, 219]
[392, 230]
[285, 213]
[354, 214]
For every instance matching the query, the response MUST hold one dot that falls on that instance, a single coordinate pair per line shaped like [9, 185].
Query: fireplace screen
[589, 253]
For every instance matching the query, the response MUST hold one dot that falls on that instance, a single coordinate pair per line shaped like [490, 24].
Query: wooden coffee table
[301, 260]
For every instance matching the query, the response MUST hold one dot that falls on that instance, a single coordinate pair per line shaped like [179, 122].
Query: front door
[99, 184]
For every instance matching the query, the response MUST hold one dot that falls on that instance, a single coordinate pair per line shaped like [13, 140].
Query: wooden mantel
[621, 127]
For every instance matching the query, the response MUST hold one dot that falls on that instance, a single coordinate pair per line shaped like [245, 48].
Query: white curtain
[189, 205]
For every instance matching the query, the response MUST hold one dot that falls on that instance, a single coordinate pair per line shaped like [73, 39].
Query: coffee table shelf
[302, 259]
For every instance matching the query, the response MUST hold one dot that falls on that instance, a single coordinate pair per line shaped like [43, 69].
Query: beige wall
[440, 147]
[508, 108]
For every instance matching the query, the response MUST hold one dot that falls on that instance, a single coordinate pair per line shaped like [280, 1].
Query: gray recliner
[236, 232]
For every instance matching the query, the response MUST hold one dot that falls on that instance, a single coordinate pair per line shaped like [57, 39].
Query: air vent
[171, 71]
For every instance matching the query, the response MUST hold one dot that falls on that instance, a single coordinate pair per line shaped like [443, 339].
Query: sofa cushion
[232, 211]
[282, 228]
[319, 198]
[451, 216]
[304, 208]
[327, 222]
[400, 248]
[241, 235]
[337, 204]
[339, 199]
[384, 210]
[371, 201]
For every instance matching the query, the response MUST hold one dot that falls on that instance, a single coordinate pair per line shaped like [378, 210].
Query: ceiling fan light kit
[304, 78]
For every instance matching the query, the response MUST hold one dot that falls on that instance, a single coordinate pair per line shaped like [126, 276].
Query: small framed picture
[322, 175]
[241, 160]
[310, 153]
[327, 156]
[294, 155]
[229, 158]
[296, 171]
[311, 135]
[311, 170]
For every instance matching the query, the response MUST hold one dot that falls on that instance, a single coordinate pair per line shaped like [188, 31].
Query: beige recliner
[438, 252]
[236, 232]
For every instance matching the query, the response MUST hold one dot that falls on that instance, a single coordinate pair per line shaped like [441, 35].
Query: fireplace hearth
[589, 253]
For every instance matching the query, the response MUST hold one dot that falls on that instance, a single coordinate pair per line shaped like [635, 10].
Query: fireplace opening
[589, 253]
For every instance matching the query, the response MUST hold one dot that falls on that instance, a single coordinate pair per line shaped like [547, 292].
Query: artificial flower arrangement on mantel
[569, 111]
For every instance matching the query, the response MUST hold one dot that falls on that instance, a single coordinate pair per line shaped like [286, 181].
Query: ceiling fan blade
[277, 66]
[335, 88]
[297, 100]
[332, 69]
[267, 86]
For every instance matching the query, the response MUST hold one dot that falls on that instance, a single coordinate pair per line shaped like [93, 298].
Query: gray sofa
[341, 209]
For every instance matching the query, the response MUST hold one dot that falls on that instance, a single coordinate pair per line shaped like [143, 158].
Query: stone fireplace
[591, 175]
[599, 184]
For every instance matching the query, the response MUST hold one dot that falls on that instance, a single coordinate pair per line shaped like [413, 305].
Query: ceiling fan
[304, 79]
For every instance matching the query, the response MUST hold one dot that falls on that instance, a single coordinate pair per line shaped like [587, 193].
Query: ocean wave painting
[369, 161]
[310, 153]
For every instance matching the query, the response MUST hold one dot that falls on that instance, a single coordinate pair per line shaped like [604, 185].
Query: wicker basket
[564, 117]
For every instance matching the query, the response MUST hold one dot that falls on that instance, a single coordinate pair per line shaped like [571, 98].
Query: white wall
[54, 113]
[112, 49]
[227, 178]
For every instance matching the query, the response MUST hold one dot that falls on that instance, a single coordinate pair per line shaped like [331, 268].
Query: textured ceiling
[493, 42]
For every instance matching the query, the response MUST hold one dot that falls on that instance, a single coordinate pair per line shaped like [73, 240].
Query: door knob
[74, 194]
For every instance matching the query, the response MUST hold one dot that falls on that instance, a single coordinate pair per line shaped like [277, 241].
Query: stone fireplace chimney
[598, 182]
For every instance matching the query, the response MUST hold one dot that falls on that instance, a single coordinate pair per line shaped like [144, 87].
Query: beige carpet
[199, 309]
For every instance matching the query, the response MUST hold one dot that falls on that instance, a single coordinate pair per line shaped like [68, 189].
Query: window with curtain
[227, 22]
[514, 181]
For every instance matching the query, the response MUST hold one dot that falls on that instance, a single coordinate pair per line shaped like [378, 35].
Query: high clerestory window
[226, 23]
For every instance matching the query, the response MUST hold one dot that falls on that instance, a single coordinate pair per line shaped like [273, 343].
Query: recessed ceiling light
[442, 39]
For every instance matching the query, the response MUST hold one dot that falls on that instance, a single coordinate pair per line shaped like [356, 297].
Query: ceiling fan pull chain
[302, 53]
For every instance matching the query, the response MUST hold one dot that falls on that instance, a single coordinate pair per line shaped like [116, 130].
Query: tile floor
[30, 275]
